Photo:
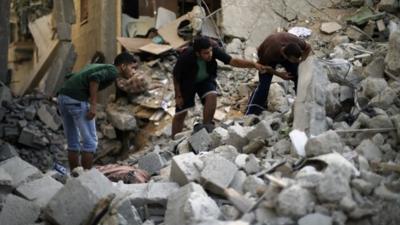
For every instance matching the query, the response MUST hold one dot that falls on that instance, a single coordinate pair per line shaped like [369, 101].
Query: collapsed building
[329, 155]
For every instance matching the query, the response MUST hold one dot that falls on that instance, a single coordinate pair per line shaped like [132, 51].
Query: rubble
[19, 211]
[330, 27]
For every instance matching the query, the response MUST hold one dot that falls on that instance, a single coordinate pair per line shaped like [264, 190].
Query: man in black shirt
[195, 72]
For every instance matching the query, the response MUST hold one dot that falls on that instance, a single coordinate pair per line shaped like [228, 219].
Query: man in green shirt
[77, 104]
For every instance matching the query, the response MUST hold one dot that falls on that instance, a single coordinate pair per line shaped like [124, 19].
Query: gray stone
[235, 47]
[121, 118]
[30, 112]
[330, 27]
[371, 177]
[315, 219]
[227, 151]
[218, 222]
[86, 191]
[333, 186]
[388, 5]
[384, 193]
[229, 212]
[261, 130]
[396, 122]
[190, 205]
[48, 115]
[20, 171]
[200, 141]
[40, 191]
[277, 99]
[238, 181]
[7, 151]
[152, 162]
[18, 211]
[309, 106]
[31, 138]
[252, 165]
[150, 193]
[339, 39]
[362, 186]
[109, 131]
[308, 177]
[252, 184]
[126, 213]
[184, 168]
[347, 204]
[382, 120]
[219, 136]
[385, 99]
[339, 218]
[217, 174]
[375, 68]
[5, 93]
[369, 150]
[184, 147]
[295, 201]
[324, 143]
[240, 160]
[238, 136]
[371, 87]
[5, 178]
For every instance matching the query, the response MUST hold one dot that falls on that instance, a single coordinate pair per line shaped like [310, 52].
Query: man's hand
[260, 67]
[285, 75]
[91, 114]
[179, 101]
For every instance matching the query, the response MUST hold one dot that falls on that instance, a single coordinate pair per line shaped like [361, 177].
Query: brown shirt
[269, 52]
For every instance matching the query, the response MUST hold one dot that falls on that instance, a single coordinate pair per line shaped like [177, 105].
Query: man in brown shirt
[284, 49]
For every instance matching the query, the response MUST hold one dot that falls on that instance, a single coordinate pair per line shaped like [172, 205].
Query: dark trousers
[258, 99]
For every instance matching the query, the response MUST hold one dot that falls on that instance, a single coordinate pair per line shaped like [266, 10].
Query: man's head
[292, 52]
[126, 64]
[203, 49]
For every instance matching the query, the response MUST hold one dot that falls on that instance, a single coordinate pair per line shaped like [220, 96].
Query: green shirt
[77, 86]
[202, 71]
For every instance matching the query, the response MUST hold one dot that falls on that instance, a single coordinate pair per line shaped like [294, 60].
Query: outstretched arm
[242, 63]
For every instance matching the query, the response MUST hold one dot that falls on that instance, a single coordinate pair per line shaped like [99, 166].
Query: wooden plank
[39, 70]
[155, 49]
[133, 44]
[170, 34]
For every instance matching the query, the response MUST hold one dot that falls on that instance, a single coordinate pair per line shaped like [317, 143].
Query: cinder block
[151, 162]
[18, 211]
[73, 204]
[217, 174]
[20, 171]
[184, 169]
[40, 191]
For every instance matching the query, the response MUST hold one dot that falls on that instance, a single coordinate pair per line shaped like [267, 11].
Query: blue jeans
[258, 99]
[76, 125]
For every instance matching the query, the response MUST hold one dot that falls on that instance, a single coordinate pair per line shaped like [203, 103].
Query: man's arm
[93, 87]
[242, 63]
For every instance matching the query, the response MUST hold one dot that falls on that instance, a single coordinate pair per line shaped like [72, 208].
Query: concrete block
[229, 152]
[295, 201]
[324, 143]
[238, 181]
[49, 117]
[151, 162]
[262, 130]
[121, 119]
[18, 211]
[252, 184]
[315, 219]
[149, 193]
[85, 191]
[30, 112]
[40, 191]
[217, 174]
[369, 150]
[333, 186]
[30, 137]
[7, 151]
[200, 141]
[219, 136]
[184, 168]
[238, 136]
[252, 165]
[20, 171]
[190, 205]
[330, 27]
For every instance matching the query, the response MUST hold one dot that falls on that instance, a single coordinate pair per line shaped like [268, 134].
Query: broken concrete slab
[217, 174]
[87, 191]
[295, 201]
[330, 27]
[185, 168]
[18, 211]
[190, 205]
[333, 186]
[238, 181]
[121, 118]
[200, 141]
[261, 130]
[48, 115]
[227, 151]
[315, 219]
[40, 191]
[5, 93]
[309, 106]
[324, 143]
[20, 171]
[31, 138]
[152, 162]
[238, 136]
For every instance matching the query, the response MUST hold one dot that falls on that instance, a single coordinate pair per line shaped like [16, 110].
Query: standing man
[195, 73]
[285, 49]
[77, 104]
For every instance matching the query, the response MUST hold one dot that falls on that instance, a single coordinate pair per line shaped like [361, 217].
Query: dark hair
[98, 57]
[292, 50]
[124, 58]
[201, 43]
